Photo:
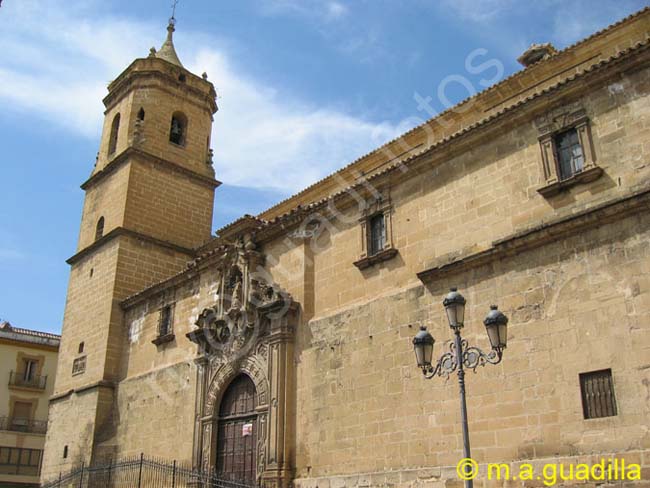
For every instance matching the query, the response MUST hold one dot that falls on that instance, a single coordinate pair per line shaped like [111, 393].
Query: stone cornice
[122, 231]
[81, 389]
[126, 155]
[539, 235]
[247, 223]
[148, 68]
[27, 345]
[149, 84]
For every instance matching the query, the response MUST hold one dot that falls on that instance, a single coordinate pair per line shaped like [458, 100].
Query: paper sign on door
[246, 429]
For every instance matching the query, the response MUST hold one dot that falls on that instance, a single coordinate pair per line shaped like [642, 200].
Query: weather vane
[174, 3]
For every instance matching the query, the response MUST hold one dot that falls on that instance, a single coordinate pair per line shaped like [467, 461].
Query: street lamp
[461, 355]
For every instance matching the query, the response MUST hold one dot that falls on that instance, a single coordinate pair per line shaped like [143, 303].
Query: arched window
[178, 129]
[99, 230]
[141, 114]
[112, 141]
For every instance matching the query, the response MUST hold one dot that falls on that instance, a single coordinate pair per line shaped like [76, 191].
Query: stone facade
[295, 300]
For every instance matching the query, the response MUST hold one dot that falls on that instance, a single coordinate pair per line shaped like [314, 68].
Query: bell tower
[148, 206]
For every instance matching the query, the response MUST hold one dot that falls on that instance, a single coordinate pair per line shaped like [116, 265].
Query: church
[278, 351]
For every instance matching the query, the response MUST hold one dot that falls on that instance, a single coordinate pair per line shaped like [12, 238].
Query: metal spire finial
[172, 20]
[167, 51]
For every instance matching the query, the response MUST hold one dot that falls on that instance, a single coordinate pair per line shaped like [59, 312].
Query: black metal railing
[141, 472]
[18, 424]
[19, 378]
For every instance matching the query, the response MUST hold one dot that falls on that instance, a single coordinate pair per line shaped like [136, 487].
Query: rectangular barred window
[569, 153]
[165, 326]
[377, 234]
[79, 365]
[165, 322]
[598, 398]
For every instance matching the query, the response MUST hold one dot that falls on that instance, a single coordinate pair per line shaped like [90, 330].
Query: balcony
[16, 424]
[21, 380]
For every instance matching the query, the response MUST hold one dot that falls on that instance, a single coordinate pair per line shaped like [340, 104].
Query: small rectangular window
[79, 365]
[165, 323]
[377, 234]
[598, 398]
[22, 413]
[569, 154]
[29, 369]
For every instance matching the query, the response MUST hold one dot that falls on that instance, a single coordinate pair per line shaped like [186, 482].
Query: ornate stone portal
[249, 330]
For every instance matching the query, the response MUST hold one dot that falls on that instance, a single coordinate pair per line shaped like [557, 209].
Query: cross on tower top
[172, 20]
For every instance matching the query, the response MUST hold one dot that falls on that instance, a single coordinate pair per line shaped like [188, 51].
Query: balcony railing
[34, 381]
[17, 424]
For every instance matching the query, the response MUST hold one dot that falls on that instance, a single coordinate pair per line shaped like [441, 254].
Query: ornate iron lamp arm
[446, 365]
[473, 357]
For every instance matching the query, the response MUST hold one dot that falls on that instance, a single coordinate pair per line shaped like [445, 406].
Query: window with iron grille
[569, 154]
[567, 149]
[598, 399]
[376, 228]
[165, 321]
[79, 365]
[377, 234]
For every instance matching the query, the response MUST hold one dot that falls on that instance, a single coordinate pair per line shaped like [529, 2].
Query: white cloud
[336, 10]
[10, 255]
[317, 9]
[574, 21]
[477, 11]
[262, 137]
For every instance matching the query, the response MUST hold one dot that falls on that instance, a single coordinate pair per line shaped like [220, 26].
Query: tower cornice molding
[151, 68]
[131, 154]
[123, 231]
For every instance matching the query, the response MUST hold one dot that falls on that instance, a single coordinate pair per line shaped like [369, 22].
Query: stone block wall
[578, 305]
[169, 206]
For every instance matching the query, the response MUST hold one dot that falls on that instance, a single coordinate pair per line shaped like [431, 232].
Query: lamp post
[461, 355]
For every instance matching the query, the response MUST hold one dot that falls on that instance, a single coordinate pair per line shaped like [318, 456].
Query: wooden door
[236, 432]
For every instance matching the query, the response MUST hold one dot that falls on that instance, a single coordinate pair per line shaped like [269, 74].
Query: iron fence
[141, 472]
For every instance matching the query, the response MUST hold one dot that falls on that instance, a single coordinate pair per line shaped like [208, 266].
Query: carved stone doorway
[236, 448]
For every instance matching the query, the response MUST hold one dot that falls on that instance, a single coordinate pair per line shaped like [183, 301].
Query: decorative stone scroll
[244, 305]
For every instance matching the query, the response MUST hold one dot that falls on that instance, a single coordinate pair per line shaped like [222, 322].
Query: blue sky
[304, 87]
